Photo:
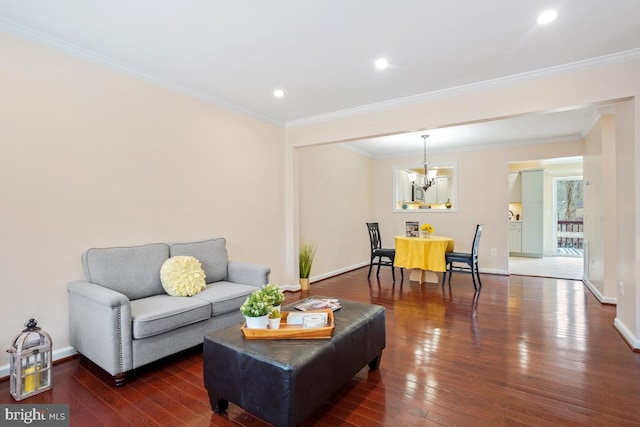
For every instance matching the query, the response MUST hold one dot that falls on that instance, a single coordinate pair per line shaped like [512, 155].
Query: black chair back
[469, 258]
[374, 235]
[379, 255]
[476, 242]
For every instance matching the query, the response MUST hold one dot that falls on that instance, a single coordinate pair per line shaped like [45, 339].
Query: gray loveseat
[121, 318]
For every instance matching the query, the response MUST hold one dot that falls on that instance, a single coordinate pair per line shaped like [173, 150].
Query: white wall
[94, 158]
[608, 220]
[336, 199]
[628, 178]
[600, 208]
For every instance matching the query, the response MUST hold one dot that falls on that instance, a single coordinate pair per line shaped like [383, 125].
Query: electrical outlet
[621, 288]
[494, 251]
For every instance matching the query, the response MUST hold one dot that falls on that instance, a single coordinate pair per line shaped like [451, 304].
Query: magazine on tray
[319, 304]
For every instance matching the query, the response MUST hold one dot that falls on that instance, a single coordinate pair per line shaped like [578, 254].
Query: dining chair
[377, 251]
[470, 259]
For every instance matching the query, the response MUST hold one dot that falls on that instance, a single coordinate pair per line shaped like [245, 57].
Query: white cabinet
[515, 188]
[438, 194]
[431, 195]
[532, 213]
[515, 237]
[532, 185]
[443, 189]
[404, 188]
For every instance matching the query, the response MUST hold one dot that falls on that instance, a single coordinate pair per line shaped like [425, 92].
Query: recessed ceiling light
[381, 63]
[278, 93]
[547, 16]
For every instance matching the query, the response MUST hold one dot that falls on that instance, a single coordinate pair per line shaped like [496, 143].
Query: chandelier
[429, 177]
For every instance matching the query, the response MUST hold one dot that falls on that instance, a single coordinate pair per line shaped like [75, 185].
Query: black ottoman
[284, 381]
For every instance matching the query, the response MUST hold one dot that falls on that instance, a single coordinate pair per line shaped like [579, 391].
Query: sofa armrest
[246, 273]
[99, 294]
[100, 326]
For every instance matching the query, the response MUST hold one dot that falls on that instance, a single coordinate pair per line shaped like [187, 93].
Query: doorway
[568, 209]
[563, 225]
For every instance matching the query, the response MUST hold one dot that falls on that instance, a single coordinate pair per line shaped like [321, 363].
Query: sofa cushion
[161, 313]
[182, 276]
[133, 271]
[225, 297]
[211, 253]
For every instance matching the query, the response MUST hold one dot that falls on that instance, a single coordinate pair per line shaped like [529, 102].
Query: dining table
[424, 256]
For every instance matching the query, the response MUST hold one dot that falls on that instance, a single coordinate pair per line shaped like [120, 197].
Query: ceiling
[566, 125]
[322, 53]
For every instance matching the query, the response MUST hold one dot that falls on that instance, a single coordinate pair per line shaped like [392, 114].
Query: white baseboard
[339, 271]
[296, 287]
[366, 263]
[57, 354]
[494, 271]
[628, 336]
[596, 292]
[290, 288]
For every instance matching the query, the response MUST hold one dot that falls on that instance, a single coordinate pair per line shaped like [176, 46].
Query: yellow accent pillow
[182, 276]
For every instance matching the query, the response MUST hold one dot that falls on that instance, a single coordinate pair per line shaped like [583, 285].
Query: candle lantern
[30, 362]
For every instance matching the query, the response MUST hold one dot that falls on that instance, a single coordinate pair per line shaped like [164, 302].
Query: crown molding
[28, 34]
[600, 110]
[628, 55]
[604, 109]
[595, 117]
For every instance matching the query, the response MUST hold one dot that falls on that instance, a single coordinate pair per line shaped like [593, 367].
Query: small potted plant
[273, 295]
[274, 319]
[307, 253]
[426, 229]
[256, 310]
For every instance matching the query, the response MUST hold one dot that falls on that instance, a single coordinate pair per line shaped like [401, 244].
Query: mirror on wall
[441, 196]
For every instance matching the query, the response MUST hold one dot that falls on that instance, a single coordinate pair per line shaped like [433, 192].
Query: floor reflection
[532, 347]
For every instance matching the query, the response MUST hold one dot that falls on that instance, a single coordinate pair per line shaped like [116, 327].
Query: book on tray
[311, 304]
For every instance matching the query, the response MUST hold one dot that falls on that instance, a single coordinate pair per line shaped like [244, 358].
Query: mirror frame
[453, 189]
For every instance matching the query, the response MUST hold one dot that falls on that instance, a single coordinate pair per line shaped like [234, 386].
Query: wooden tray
[292, 332]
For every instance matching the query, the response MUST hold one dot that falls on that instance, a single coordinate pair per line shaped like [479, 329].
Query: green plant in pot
[273, 294]
[307, 253]
[256, 309]
[274, 319]
[275, 314]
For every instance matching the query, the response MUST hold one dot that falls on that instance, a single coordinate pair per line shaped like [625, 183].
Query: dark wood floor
[523, 351]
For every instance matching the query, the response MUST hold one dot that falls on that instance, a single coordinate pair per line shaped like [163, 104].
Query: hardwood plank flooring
[523, 351]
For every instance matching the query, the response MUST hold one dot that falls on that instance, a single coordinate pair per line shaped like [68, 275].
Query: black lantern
[30, 362]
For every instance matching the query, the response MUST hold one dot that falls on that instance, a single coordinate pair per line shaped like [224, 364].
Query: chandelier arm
[427, 182]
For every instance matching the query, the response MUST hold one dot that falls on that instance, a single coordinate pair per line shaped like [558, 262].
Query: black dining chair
[377, 251]
[470, 259]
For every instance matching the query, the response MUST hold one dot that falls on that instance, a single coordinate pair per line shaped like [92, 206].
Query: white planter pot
[274, 323]
[257, 322]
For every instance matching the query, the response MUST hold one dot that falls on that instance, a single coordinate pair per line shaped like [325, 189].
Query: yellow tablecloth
[423, 253]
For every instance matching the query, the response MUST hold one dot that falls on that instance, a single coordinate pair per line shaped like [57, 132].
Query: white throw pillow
[182, 276]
